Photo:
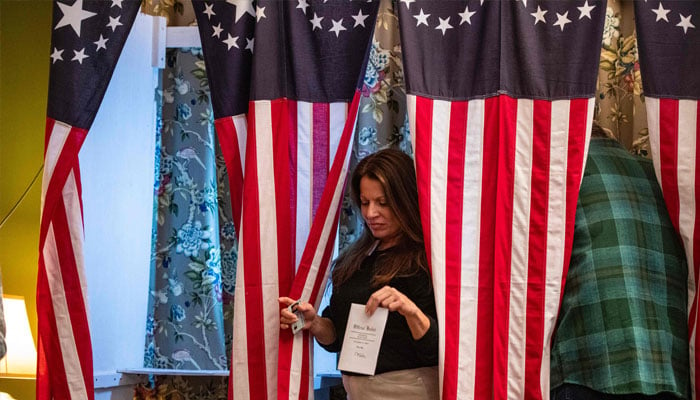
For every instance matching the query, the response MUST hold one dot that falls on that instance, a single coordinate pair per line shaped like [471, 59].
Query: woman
[387, 267]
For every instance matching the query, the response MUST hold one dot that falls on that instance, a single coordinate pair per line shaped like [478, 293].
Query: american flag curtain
[500, 100]
[669, 54]
[292, 143]
[87, 38]
[227, 30]
[500, 105]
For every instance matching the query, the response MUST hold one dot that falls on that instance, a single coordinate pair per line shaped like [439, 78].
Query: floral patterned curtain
[620, 101]
[189, 322]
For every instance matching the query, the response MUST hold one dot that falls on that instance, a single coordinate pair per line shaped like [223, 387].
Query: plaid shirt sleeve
[622, 325]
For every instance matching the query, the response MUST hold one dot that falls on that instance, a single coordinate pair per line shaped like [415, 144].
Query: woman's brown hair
[395, 172]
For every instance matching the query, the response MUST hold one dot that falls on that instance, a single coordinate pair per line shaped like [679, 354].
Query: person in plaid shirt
[622, 331]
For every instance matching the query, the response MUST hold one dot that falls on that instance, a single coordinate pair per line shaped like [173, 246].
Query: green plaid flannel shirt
[622, 325]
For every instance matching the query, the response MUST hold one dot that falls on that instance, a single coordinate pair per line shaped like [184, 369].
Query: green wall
[25, 40]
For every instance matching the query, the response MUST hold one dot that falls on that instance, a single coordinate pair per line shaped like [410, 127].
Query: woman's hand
[391, 298]
[394, 300]
[321, 328]
[287, 317]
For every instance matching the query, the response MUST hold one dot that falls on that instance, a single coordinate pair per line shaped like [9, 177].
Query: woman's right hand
[321, 328]
[287, 317]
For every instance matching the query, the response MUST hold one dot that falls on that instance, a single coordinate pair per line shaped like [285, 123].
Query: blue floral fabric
[193, 259]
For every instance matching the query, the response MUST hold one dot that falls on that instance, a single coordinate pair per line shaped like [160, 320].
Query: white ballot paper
[363, 337]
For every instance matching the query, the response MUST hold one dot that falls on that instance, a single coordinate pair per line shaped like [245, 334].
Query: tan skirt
[406, 384]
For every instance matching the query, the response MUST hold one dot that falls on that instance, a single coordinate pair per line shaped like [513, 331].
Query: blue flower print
[228, 267]
[375, 73]
[371, 76]
[406, 147]
[150, 325]
[207, 199]
[210, 277]
[191, 238]
[405, 135]
[166, 163]
[177, 313]
[149, 355]
[183, 112]
[367, 135]
[214, 260]
[228, 230]
[161, 362]
[378, 57]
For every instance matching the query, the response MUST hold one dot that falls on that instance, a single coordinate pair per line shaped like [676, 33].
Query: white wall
[117, 163]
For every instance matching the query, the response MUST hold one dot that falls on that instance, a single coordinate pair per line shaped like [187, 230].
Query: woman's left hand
[394, 300]
[391, 298]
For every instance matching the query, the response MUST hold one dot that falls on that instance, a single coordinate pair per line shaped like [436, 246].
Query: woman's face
[380, 219]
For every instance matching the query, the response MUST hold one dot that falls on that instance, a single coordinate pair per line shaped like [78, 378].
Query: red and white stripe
[498, 180]
[319, 129]
[295, 353]
[290, 148]
[232, 132]
[673, 135]
[65, 359]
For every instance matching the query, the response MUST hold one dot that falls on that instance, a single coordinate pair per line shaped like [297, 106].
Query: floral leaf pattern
[193, 258]
[620, 99]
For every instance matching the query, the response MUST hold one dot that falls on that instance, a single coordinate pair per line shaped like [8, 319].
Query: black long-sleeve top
[398, 348]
